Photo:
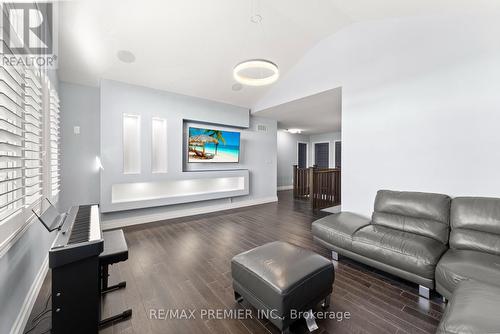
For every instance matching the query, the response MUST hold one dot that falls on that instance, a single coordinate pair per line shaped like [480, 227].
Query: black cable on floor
[40, 315]
[44, 309]
[36, 324]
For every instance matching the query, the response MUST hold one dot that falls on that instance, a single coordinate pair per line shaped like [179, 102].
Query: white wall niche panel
[192, 187]
[257, 156]
[131, 144]
[158, 145]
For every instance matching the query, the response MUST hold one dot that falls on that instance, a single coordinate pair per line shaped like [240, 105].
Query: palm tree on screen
[217, 134]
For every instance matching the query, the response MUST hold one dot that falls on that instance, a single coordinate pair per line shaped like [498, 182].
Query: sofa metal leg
[326, 302]
[238, 297]
[445, 300]
[310, 321]
[424, 292]
[335, 256]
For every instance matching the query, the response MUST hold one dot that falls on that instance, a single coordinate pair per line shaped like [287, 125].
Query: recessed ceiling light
[125, 56]
[257, 18]
[256, 72]
[294, 131]
[237, 87]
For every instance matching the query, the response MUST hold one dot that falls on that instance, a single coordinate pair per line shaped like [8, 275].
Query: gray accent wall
[81, 106]
[18, 270]
[258, 149]
[79, 175]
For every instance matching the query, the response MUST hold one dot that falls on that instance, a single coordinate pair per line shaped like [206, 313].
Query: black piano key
[81, 227]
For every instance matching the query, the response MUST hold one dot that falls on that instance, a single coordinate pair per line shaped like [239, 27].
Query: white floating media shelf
[194, 186]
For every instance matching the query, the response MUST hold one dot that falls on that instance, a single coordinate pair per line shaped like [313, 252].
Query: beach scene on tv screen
[209, 145]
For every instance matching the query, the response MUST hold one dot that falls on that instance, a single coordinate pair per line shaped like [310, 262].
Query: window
[29, 146]
[55, 178]
[159, 145]
[11, 141]
[26, 155]
[131, 144]
[33, 125]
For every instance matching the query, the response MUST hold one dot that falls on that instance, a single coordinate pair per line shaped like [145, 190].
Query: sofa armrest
[338, 229]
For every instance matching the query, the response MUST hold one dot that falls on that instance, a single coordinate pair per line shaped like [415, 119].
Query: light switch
[76, 130]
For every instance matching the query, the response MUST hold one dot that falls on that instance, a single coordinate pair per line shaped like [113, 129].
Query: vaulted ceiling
[188, 46]
[191, 46]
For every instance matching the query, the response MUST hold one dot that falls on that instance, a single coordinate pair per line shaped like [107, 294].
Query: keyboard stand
[115, 250]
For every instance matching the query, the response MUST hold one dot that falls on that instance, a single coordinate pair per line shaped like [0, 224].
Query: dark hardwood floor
[185, 263]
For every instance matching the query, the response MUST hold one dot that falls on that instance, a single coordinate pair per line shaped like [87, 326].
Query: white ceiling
[318, 113]
[188, 46]
[191, 46]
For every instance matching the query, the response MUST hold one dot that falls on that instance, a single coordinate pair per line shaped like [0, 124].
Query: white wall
[421, 103]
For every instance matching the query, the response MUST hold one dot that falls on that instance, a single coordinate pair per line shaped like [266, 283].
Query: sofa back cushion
[475, 224]
[414, 212]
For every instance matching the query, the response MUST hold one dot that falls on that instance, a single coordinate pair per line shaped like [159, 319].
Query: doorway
[302, 155]
[338, 154]
[322, 155]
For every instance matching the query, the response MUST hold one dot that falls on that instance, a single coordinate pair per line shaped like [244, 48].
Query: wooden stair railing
[325, 188]
[301, 182]
[322, 186]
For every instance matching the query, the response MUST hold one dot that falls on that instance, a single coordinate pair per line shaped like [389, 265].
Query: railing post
[311, 182]
[295, 182]
[312, 194]
[339, 186]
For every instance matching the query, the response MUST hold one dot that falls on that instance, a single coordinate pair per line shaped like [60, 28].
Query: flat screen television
[210, 145]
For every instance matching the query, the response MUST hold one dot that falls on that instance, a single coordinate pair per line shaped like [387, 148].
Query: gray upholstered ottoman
[278, 277]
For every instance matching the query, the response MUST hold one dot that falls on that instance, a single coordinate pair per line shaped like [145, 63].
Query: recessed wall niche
[158, 145]
[131, 144]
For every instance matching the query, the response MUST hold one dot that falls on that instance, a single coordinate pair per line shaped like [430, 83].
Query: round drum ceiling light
[256, 72]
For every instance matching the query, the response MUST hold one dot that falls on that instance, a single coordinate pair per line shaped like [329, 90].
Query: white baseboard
[29, 301]
[281, 188]
[151, 218]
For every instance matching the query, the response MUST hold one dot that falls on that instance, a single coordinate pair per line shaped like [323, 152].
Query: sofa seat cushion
[472, 309]
[459, 265]
[282, 276]
[406, 251]
[338, 229]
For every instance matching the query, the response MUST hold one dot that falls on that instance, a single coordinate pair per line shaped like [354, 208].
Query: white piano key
[95, 223]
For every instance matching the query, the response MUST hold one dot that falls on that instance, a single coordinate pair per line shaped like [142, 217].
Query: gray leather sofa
[469, 272]
[474, 244]
[406, 236]
[473, 309]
